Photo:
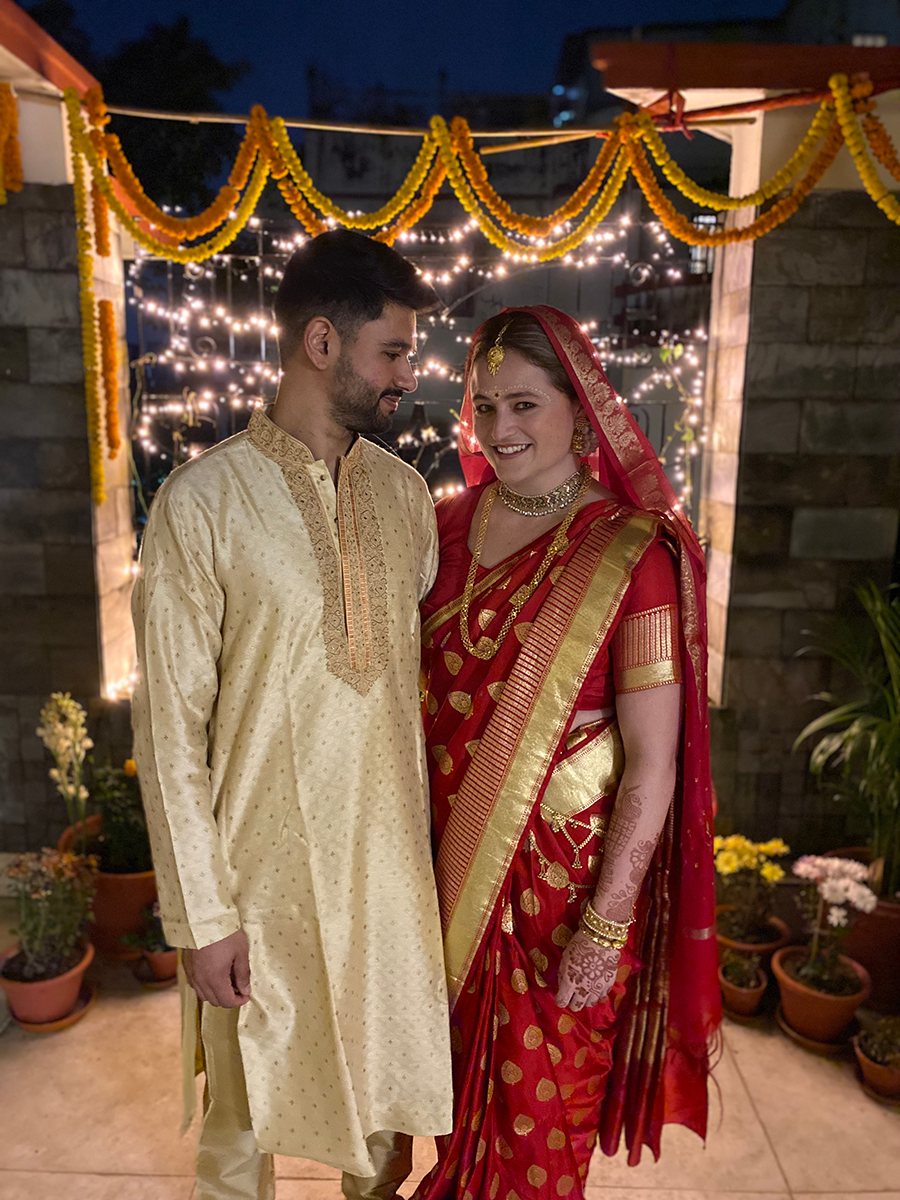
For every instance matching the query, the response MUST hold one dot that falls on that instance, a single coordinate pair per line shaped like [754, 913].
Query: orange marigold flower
[130, 767]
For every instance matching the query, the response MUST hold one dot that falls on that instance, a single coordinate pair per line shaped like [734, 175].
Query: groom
[279, 746]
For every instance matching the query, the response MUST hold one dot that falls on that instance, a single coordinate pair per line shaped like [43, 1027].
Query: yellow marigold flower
[771, 872]
[727, 862]
[774, 848]
[129, 767]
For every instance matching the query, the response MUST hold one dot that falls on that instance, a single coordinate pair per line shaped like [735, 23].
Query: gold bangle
[604, 926]
[606, 943]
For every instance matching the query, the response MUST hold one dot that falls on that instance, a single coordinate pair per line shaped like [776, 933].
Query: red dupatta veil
[669, 1020]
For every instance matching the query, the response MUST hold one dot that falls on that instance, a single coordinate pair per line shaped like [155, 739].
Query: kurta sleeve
[178, 607]
[646, 644]
[428, 565]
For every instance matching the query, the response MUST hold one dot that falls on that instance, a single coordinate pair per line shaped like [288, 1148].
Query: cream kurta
[279, 746]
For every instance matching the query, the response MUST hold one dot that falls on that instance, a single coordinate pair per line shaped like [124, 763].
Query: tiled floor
[93, 1114]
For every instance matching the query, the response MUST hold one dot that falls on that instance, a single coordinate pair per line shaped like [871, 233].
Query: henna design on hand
[587, 973]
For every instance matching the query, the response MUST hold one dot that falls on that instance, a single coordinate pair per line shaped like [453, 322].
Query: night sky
[483, 45]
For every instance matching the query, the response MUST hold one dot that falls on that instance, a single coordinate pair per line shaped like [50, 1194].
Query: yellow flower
[727, 862]
[130, 767]
[774, 848]
[771, 872]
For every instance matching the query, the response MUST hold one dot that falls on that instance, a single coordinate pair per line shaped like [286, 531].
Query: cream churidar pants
[229, 1165]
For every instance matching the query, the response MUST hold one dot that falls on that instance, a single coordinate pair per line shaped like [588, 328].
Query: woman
[565, 707]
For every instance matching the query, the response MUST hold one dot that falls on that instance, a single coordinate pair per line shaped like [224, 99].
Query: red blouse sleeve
[646, 644]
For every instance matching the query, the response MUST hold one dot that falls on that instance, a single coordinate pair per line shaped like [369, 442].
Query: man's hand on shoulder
[220, 973]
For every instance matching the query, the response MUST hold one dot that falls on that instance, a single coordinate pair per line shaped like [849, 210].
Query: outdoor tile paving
[93, 1114]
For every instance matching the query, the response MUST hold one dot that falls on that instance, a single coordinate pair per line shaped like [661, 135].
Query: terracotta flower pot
[742, 1001]
[874, 941]
[119, 901]
[46, 1000]
[765, 950]
[817, 1015]
[163, 963]
[884, 1080]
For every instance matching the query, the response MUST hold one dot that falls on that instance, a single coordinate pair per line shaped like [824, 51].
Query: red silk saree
[520, 807]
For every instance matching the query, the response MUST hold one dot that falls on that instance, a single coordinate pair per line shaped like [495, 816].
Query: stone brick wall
[50, 603]
[813, 314]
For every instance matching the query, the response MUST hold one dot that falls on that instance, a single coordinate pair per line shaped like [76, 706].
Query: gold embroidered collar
[355, 622]
[282, 447]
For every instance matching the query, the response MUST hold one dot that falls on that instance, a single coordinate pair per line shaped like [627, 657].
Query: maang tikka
[496, 354]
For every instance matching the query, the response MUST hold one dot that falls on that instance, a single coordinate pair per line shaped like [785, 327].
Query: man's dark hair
[348, 278]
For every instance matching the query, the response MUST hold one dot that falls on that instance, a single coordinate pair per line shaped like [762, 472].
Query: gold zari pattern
[645, 650]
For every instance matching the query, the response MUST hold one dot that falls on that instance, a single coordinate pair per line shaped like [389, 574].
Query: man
[279, 748]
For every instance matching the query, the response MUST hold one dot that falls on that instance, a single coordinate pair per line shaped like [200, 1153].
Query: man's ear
[321, 343]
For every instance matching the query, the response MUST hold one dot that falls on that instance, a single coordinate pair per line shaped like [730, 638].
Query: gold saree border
[503, 782]
[580, 779]
[355, 624]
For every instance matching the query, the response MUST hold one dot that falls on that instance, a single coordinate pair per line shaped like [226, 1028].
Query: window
[702, 257]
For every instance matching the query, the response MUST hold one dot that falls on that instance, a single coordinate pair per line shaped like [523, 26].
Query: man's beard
[356, 404]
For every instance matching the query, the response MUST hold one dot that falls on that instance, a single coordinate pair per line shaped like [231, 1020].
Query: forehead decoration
[496, 354]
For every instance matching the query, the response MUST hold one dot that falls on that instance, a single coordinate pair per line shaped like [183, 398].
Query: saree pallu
[520, 809]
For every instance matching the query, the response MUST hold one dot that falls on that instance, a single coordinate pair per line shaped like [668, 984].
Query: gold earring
[579, 437]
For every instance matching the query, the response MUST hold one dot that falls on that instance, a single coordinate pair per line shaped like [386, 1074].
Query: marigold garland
[88, 326]
[700, 195]
[542, 252]
[449, 153]
[856, 144]
[417, 210]
[101, 221]
[106, 314]
[10, 150]
[522, 222]
[303, 181]
[680, 227]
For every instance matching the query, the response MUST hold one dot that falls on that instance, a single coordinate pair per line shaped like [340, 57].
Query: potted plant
[116, 835]
[821, 988]
[742, 981]
[746, 882]
[126, 885]
[161, 958]
[42, 975]
[858, 753]
[878, 1055]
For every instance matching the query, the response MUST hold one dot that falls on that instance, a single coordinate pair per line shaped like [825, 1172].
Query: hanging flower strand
[109, 360]
[88, 325]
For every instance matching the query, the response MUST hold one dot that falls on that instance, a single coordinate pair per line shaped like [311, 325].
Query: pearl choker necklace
[550, 502]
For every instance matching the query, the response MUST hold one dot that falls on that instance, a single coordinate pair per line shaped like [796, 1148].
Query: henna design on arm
[617, 891]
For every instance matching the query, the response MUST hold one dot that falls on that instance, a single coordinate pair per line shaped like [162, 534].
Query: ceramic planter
[48, 1000]
[119, 901]
[874, 941]
[764, 950]
[884, 1080]
[742, 1001]
[163, 963]
[813, 1014]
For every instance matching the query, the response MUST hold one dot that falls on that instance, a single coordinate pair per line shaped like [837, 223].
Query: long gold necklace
[487, 647]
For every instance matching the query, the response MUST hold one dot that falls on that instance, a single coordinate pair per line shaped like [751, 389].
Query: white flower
[836, 916]
[834, 891]
[808, 867]
[861, 897]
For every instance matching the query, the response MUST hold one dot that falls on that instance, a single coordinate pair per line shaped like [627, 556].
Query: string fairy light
[215, 343]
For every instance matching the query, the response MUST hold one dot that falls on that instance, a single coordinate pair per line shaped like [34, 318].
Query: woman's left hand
[586, 973]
